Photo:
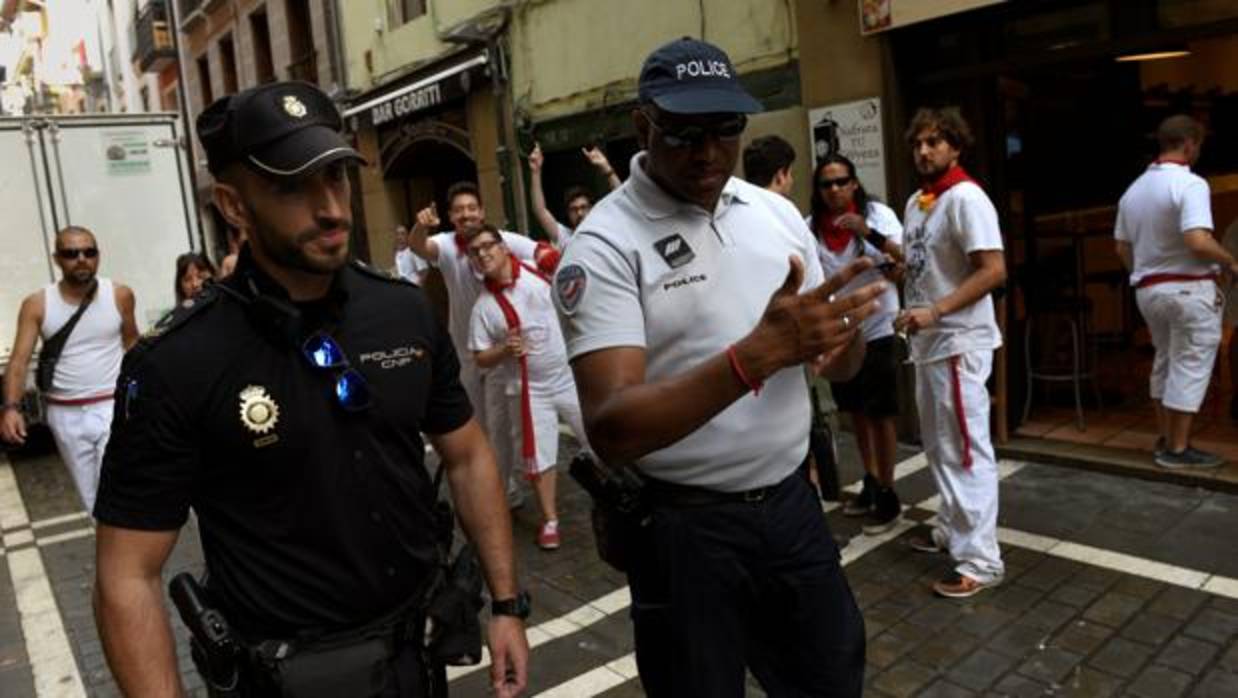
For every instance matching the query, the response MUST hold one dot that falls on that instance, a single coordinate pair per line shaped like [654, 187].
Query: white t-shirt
[936, 244]
[882, 219]
[464, 283]
[565, 234]
[409, 265]
[1163, 203]
[549, 372]
[647, 270]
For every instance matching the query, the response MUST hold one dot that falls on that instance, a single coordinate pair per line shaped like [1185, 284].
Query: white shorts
[548, 411]
[81, 433]
[1184, 319]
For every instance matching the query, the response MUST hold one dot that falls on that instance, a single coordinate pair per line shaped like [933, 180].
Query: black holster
[620, 507]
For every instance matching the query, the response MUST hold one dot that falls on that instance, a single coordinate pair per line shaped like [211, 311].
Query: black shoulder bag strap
[49, 354]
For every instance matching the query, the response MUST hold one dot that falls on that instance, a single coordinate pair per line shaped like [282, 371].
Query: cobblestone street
[1115, 586]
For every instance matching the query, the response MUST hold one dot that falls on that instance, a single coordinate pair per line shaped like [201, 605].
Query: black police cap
[688, 76]
[280, 129]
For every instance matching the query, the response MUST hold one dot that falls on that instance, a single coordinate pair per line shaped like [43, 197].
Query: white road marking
[44, 523]
[47, 646]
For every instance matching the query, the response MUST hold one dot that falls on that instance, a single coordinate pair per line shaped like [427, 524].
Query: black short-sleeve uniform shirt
[311, 517]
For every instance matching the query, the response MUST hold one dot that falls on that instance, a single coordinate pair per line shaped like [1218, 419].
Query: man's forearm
[977, 286]
[489, 358]
[640, 419]
[1208, 249]
[15, 380]
[137, 639]
[482, 507]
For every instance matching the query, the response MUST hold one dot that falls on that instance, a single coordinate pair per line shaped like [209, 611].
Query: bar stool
[1056, 313]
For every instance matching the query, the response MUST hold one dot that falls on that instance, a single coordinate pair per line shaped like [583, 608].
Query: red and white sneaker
[548, 536]
[960, 586]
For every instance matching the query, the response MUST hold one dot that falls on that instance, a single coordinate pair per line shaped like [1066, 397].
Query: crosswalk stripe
[51, 659]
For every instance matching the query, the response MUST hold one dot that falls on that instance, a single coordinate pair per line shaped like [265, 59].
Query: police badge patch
[675, 251]
[570, 285]
[259, 413]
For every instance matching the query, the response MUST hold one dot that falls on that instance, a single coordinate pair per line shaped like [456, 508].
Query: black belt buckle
[756, 496]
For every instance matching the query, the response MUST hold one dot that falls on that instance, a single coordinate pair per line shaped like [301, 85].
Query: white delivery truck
[124, 176]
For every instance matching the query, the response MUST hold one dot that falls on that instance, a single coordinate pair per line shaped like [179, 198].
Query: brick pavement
[1057, 626]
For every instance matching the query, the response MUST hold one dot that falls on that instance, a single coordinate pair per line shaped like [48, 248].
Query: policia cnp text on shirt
[305, 469]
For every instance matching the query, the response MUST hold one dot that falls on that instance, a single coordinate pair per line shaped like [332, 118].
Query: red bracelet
[754, 386]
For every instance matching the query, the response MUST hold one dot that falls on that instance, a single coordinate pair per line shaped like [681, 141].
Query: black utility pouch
[361, 668]
[453, 632]
[615, 535]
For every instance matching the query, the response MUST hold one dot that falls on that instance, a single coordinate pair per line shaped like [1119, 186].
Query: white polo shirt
[937, 243]
[1163, 203]
[549, 372]
[880, 218]
[647, 270]
[409, 266]
[464, 283]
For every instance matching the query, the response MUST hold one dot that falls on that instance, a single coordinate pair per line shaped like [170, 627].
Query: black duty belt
[670, 494]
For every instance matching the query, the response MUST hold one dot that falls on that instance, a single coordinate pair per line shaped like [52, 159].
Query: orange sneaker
[960, 586]
[548, 536]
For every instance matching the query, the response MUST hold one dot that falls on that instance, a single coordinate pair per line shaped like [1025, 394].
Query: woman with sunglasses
[848, 224]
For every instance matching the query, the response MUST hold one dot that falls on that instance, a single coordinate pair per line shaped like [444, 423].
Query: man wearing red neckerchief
[446, 252]
[1164, 238]
[954, 258]
[515, 334]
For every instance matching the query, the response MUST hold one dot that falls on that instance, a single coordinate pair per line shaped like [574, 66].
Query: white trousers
[498, 424]
[81, 433]
[1184, 319]
[954, 425]
[548, 411]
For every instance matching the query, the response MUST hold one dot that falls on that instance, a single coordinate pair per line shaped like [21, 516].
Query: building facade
[229, 45]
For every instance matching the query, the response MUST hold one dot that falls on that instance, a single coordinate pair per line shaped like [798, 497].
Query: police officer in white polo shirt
[1164, 238]
[690, 300]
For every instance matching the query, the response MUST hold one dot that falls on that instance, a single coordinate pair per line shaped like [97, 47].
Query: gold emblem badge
[294, 107]
[259, 413]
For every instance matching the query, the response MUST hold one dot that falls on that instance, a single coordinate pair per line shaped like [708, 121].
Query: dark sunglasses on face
[683, 136]
[352, 393]
[831, 183]
[68, 254]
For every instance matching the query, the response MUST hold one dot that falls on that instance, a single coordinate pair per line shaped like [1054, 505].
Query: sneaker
[925, 543]
[548, 536]
[1160, 447]
[887, 510]
[960, 586]
[862, 504]
[1188, 458]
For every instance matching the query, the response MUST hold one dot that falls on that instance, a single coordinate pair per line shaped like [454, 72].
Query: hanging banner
[880, 15]
[854, 130]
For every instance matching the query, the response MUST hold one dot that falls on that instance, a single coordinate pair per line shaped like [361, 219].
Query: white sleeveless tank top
[90, 362]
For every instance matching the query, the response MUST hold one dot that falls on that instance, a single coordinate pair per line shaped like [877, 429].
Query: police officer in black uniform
[285, 406]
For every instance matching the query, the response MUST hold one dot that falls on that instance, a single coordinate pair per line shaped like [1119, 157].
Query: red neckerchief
[834, 236]
[528, 443]
[462, 244]
[929, 193]
[1172, 161]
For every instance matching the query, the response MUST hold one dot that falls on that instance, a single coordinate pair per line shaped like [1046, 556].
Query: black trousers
[721, 587]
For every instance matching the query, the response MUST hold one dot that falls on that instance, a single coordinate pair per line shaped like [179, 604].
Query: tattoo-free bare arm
[480, 503]
[29, 317]
[1125, 253]
[128, 324]
[989, 272]
[130, 613]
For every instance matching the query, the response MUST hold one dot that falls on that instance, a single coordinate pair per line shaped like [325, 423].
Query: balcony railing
[305, 68]
[188, 7]
[153, 48]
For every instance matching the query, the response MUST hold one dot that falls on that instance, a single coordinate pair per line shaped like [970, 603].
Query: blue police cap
[688, 76]
[280, 129]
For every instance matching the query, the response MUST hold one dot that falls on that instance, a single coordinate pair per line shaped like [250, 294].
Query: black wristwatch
[518, 607]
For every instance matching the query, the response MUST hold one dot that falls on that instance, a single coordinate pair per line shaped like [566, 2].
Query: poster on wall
[854, 130]
[880, 15]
